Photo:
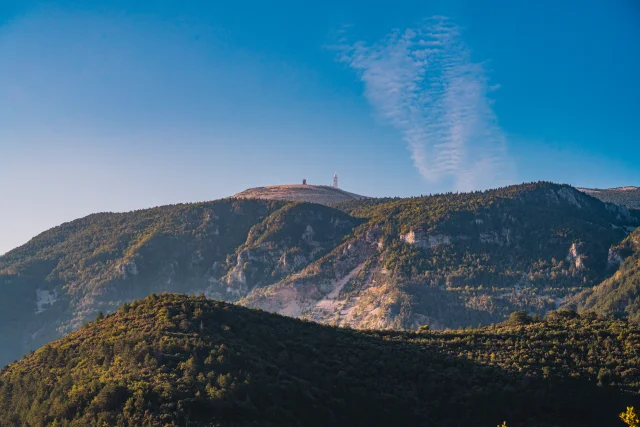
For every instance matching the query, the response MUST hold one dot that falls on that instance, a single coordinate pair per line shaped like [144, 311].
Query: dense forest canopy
[174, 360]
[627, 196]
[620, 294]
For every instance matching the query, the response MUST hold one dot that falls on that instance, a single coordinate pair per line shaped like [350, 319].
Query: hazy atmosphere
[112, 106]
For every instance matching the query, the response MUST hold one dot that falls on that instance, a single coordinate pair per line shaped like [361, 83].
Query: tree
[631, 417]
[519, 318]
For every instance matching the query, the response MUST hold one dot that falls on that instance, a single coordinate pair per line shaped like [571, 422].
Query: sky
[120, 105]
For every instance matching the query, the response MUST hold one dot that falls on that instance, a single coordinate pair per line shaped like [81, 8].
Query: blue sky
[119, 105]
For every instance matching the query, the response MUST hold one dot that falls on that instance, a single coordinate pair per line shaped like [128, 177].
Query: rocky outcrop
[128, 269]
[614, 259]
[576, 256]
[427, 241]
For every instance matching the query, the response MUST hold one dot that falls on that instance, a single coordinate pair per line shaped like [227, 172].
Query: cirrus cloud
[424, 83]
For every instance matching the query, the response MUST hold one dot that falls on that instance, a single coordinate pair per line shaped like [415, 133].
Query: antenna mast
[335, 180]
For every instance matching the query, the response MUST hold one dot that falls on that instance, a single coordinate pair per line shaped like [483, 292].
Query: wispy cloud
[424, 83]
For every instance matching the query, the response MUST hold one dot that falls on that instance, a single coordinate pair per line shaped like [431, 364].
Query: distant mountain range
[445, 261]
[628, 196]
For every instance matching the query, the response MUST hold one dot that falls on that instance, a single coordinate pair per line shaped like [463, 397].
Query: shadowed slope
[628, 196]
[173, 360]
[619, 294]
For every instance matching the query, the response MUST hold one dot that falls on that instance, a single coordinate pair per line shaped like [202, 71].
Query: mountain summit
[321, 194]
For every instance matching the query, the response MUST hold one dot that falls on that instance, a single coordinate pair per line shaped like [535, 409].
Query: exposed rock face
[614, 259]
[45, 299]
[272, 253]
[318, 292]
[564, 194]
[622, 213]
[576, 256]
[425, 240]
[569, 196]
[128, 269]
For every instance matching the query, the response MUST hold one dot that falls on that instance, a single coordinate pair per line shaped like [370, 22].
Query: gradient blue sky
[119, 105]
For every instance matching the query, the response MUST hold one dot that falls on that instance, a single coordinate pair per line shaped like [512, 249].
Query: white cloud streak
[423, 82]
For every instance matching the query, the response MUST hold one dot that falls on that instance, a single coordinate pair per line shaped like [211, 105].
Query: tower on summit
[335, 180]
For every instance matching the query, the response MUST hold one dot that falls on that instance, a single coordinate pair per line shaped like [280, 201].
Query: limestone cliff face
[283, 244]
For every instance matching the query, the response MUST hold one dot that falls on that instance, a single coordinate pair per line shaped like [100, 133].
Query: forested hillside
[627, 196]
[172, 360]
[620, 294]
[446, 260]
[64, 276]
[457, 259]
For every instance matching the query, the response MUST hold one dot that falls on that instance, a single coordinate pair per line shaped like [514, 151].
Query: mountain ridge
[447, 260]
[627, 195]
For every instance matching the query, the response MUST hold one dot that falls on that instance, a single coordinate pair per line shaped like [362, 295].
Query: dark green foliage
[98, 262]
[474, 258]
[519, 318]
[627, 196]
[620, 294]
[502, 250]
[172, 360]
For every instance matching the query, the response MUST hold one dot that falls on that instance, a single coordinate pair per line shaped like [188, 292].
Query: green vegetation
[173, 360]
[627, 196]
[630, 417]
[98, 262]
[447, 260]
[459, 259]
[620, 294]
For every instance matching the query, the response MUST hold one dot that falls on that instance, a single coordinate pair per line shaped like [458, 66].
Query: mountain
[448, 260]
[172, 360]
[63, 277]
[322, 194]
[619, 294]
[628, 196]
[456, 259]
